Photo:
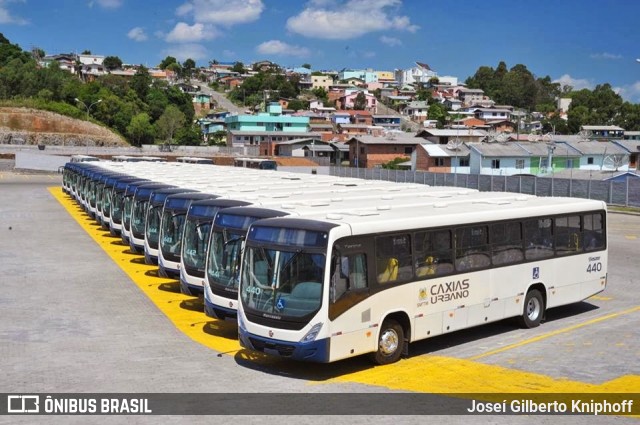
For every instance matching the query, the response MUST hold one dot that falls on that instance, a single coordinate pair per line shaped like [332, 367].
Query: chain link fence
[621, 193]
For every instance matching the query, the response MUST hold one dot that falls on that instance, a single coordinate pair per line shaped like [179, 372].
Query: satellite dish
[584, 135]
[502, 137]
[454, 145]
[491, 136]
[615, 161]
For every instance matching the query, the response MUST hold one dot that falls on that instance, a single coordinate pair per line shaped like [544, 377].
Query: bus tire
[533, 309]
[390, 343]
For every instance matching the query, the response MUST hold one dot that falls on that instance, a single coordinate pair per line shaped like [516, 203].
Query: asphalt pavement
[74, 321]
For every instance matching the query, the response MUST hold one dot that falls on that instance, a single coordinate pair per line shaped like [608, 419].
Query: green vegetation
[632, 210]
[264, 86]
[520, 88]
[140, 109]
[394, 164]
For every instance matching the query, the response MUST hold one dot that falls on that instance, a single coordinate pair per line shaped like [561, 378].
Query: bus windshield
[283, 270]
[139, 208]
[196, 238]
[224, 258]
[284, 283]
[225, 250]
[172, 227]
[153, 225]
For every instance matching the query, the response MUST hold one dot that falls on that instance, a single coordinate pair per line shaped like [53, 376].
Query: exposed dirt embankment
[37, 127]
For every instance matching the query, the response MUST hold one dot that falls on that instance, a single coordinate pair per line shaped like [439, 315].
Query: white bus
[230, 228]
[258, 163]
[340, 285]
[84, 158]
[195, 160]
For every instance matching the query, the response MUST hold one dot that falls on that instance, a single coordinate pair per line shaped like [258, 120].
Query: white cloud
[576, 83]
[183, 52]
[390, 41]
[137, 34]
[185, 33]
[108, 4]
[277, 47]
[7, 17]
[222, 12]
[630, 92]
[605, 56]
[228, 53]
[327, 20]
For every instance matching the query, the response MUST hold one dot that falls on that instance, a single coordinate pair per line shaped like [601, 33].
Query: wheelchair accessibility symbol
[280, 304]
[536, 273]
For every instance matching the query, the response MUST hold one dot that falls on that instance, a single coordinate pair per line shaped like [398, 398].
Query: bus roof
[474, 208]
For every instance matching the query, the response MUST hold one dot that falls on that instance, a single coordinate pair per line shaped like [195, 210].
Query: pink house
[348, 101]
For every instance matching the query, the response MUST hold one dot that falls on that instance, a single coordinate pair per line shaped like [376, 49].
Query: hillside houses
[368, 117]
[539, 158]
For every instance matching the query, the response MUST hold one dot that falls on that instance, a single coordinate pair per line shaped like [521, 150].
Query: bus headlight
[313, 333]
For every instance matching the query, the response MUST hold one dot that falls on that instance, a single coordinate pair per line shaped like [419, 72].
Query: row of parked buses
[322, 268]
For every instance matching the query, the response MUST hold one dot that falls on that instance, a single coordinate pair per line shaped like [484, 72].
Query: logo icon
[23, 404]
[536, 273]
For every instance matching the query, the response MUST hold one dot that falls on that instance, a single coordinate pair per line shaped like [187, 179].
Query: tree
[218, 138]
[176, 68]
[394, 164]
[423, 94]
[188, 67]
[297, 104]
[167, 61]
[112, 62]
[321, 94]
[141, 81]
[238, 67]
[86, 52]
[157, 102]
[306, 65]
[169, 122]
[360, 102]
[189, 136]
[140, 129]
[437, 112]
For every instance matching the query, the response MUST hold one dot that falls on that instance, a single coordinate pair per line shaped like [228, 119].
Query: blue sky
[577, 42]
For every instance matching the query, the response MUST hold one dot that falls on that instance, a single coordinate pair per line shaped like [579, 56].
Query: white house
[91, 66]
[421, 73]
[596, 155]
[416, 110]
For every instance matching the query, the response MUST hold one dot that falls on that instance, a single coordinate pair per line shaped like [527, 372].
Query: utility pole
[88, 108]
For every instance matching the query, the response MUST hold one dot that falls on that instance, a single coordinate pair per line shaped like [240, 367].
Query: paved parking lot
[77, 319]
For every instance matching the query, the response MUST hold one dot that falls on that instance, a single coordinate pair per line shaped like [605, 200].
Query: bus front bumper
[314, 351]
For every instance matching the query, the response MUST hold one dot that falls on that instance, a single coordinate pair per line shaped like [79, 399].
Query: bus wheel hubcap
[389, 342]
[533, 309]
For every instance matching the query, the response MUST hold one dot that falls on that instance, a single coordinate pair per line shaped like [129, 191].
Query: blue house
[272, 120]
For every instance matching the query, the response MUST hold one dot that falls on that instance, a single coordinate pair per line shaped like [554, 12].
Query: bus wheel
[389, 343]
[533, 309]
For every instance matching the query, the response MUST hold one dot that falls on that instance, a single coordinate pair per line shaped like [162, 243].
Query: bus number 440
[594, 267]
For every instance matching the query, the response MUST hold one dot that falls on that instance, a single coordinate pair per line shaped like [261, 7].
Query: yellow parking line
[186, 313]
[554, 333]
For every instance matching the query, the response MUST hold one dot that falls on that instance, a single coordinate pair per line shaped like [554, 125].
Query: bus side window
[593, 235]
[506, 243]
[472, 248]
[393, 258]
[538, 236]
[349, 274]
[433, 253]
[568, 235]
